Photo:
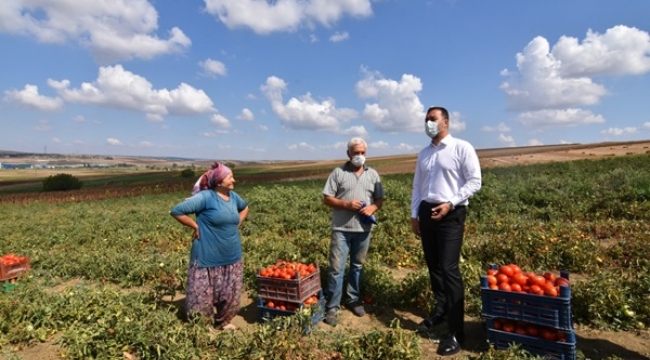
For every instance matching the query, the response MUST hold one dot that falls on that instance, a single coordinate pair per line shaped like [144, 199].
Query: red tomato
[532, 330]
[502, 278]
[515, 269]
[562, 281]
[519, 278]
[508, 326]
[507, 270]
[536, 289]
[549, 276]
[491, 279]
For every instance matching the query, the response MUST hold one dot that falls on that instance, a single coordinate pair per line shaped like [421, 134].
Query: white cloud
[111, 29]
[145, 144]
[118, 88]
[265, 17]
[43, 126]
[79, 118]
[313, 38]
[562, 76]
[398, 107]
[501, 127]
[534, 142]
[257, 150]
[113, 142]
[620, 131]
[539, 83]
[621, 50]
[301, 146]
[56, 140]
[155, 117]
[568, 117]
[356, 131]
[404, 147]
[220, 120]
[30, 97]
[378, 145]
[305, 113]
[263, 128]
[339, 36]
[338, 145]
[246, 115]
[213, 67]
[646, 126]
[507, 140]
[456, 125]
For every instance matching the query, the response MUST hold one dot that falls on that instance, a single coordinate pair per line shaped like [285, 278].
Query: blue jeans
[356, 244]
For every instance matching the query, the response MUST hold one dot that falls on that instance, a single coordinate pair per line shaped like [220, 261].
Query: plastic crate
[544, 310]
[292, 290]
[13, 271]
[318, 312]
[555, 350]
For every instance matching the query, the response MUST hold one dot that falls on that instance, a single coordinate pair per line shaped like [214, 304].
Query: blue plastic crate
[318, 313]
[555, 350]
[544, 310]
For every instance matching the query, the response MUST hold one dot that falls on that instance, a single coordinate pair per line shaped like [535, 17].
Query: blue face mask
[431, 128]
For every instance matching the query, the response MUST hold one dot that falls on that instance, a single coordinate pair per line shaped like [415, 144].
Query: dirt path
[595, 344]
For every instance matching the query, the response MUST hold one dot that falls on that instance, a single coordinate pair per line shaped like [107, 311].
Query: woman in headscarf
[216, 272]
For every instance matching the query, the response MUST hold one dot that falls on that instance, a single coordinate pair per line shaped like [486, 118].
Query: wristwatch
[451, 205]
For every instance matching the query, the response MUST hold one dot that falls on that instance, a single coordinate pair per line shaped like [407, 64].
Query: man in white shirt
[447, 173]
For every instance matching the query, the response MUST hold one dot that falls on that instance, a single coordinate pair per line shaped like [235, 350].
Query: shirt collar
[445, 141]
[348, 166]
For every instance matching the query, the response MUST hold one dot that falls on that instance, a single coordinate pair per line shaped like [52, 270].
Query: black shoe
[429, 323]
[450, 345]
[356, 307]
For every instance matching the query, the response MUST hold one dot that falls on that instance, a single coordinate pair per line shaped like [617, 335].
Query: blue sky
[296, 79]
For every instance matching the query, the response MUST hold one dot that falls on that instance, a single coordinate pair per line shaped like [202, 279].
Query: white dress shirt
[448, 172]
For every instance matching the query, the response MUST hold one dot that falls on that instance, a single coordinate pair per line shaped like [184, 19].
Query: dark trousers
[441, 242]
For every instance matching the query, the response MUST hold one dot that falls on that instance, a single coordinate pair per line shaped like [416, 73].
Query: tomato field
[103, 269]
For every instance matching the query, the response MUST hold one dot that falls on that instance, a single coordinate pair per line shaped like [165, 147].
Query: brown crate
[8, 272]
[292, 290]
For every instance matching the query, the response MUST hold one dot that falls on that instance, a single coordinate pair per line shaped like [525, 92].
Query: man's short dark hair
[445, 113]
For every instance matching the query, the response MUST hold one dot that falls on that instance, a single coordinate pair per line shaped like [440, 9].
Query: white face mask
[358, 160]
[431, 128]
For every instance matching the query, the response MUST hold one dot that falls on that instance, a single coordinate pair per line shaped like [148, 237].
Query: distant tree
[61, 182]
[231, 165]
[187, 173]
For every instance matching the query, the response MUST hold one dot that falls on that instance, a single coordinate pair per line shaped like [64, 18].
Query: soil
[595, 344]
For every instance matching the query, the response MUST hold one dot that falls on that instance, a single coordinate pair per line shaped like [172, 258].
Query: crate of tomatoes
[313, 307]
[288, 281]
[12, 266]
[539, 340]
[543, 299]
